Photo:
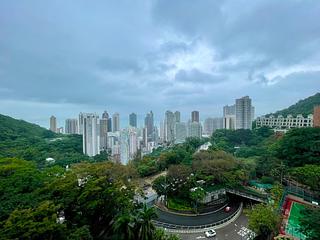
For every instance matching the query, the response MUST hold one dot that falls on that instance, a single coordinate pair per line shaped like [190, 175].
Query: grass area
[293, 222]
[179, 204]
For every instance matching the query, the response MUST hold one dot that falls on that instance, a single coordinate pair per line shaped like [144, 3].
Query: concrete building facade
[91, 134]
[115, 122]
[288, 122]
[71, 126]
[53, 124]
[244, 113]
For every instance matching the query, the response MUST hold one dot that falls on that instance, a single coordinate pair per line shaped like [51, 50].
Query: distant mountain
[11, 129]
[303, 107]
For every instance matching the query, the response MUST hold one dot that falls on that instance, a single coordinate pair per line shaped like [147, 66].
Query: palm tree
[124, 226]
[146, 228]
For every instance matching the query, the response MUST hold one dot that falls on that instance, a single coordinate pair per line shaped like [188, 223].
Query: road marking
[200, 237]
[245, 232]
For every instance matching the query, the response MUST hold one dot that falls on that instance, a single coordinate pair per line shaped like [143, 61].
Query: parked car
[210, 233]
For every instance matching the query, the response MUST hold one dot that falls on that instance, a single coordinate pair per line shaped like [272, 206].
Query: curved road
[171, 218]
[234, 231]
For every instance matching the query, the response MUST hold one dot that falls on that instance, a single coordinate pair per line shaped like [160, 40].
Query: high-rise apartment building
[177, 116]
[103, 134]
[229, 122]
[162, 131]
[133, 120]
[114, 145]
[115, 122]
[316, 116]
[194, 129]
[91, 134]
[195, 116]
[180, 132]
[229, 110]
[229, 117]
[71, 126]
[53, 124]
[212, 124]
[244, 113]
[124, 146]
[128, 145]
[169, 124]
[105, 115]
[149, 125]
[109, 124]
[80, 123]
[133, 143]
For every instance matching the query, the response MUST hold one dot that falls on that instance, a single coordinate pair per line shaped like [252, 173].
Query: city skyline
[137, 56]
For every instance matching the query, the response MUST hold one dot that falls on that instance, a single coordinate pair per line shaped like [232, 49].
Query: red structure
[316, 116]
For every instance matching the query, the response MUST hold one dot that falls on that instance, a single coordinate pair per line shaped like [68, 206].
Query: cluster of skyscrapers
[104, 133]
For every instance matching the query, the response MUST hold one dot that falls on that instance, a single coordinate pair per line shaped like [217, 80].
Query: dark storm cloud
[141, 55]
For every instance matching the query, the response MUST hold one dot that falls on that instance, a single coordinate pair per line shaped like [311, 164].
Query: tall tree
[263, 220]
[145, 226]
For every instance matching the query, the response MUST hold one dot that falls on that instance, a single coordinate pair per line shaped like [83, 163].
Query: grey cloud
[122, 55]
[286, 31]
[119, 65]
[196, 77]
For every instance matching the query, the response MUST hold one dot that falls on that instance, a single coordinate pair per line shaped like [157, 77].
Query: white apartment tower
[91, 134]
[244, 113]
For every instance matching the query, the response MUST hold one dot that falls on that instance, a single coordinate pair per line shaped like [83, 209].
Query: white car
[210, 233]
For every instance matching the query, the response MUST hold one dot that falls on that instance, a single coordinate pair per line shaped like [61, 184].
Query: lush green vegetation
[299, 147]
[95, 196]
[12, 129]
[303, 107]
[34, 143]
[264, 220]
[39, 199]
[95, 201]
[179, 204]
[160, 159]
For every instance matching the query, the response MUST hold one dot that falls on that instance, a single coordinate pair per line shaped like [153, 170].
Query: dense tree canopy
[88, 197]
[263, 220]
[300, 146]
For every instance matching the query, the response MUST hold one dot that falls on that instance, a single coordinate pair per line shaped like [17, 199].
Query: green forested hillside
[31, 142]
[11, 129]
[304, 107]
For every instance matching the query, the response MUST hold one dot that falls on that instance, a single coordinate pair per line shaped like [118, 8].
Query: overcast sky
[62, 57]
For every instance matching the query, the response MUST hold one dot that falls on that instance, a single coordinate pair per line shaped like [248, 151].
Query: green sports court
[292, 227]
